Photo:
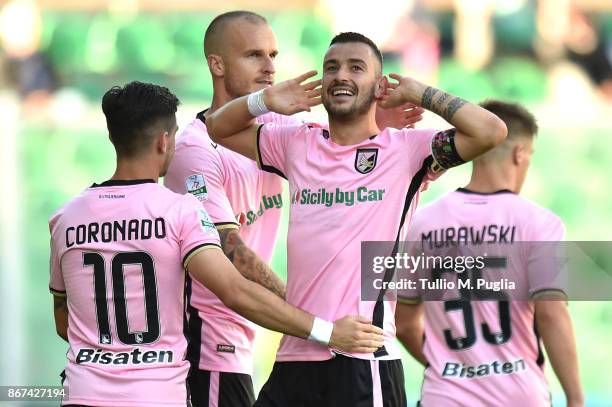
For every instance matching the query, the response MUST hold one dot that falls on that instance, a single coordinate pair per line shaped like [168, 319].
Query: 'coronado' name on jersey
[116, 231]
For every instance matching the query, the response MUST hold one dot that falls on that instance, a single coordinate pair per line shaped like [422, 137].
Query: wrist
[414, 93]
[256, 103]
[321, 331]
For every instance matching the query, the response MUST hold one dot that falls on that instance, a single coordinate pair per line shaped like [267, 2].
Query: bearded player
[119, 252]
[488, 353]
[243, 201]
[349, 182]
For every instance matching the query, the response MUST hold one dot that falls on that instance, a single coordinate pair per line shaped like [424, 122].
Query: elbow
[62, 332]
[498, 132]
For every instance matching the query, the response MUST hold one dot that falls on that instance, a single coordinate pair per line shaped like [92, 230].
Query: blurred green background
[54, 140]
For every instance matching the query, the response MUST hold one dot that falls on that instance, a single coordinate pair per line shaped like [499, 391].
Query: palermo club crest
[365, 160]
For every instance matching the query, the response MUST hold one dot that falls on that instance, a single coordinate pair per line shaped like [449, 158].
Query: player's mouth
[265, 82]
[341, 92]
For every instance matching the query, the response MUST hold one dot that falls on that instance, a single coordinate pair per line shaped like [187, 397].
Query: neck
[220, 97]
[490, 178]
[131, 169]
[354, 130]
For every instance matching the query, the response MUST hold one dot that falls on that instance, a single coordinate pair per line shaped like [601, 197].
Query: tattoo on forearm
[248, 263]
[441, 103]
[428, 97]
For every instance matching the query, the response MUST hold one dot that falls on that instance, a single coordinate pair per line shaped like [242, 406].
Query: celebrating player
[348, 183]
[118, 254]
[487, 353]
[243, 202]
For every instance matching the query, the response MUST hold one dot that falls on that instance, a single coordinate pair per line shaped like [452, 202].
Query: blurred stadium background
[58, 57]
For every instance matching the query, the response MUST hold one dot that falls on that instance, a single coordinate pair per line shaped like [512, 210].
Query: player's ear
[215, 64]
[381, 87]
[163, 142]
[518, 154]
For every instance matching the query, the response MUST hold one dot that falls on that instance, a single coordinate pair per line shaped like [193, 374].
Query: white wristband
[255, 102]
[321, 331]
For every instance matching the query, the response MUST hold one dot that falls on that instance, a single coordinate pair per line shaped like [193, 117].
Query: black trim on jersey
[217, 224]
[59, 292]
[200, 116]
[196, 248]
[379, 310]
[123, 182]
[469, 191]
[555, 290]
[194, 327]
[267, 168]
[541, 359]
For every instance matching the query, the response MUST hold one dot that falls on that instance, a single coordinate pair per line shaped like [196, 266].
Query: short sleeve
[281, 119]
[56, 279]
[418, 146]
[198, 170]
[547, 270]
[197, 231]
[272, 146]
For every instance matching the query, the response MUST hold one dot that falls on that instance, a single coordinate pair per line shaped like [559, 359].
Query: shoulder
[539, 215]
[67, 209]
[433, 208]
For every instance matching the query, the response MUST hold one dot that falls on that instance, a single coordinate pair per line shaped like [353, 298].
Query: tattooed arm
[60, 312]
[476, 129]
[248, 263]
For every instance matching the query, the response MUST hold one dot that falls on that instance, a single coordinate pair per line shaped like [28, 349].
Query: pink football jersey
[118, 252]
[235, 193]
[341, 196]
[487, 352]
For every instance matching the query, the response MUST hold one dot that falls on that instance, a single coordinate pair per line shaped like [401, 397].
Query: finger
[395, 76]
[414, 119]
[311, 85]
[363, 320]
[371, 329]
[305, 76]
[414, 110]
[314, 101]
[314, 93]
[392, 85]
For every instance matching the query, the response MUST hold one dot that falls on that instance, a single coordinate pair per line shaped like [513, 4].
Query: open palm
[293, 96]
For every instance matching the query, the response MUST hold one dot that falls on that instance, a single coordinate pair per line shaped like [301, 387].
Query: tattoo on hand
[444, 105]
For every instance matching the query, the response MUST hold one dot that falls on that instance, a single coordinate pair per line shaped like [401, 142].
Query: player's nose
[269, 67]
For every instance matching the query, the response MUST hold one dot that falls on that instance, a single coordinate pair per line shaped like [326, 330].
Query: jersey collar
[123, 182]
[468, 191]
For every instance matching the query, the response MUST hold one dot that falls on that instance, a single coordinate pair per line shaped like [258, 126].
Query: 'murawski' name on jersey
[120, 263]
[485, 234]
[484, 353]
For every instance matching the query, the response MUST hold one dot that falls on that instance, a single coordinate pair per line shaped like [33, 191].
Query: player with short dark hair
[244, 202]
[349, 182]
[119, 252]
[481, 352]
